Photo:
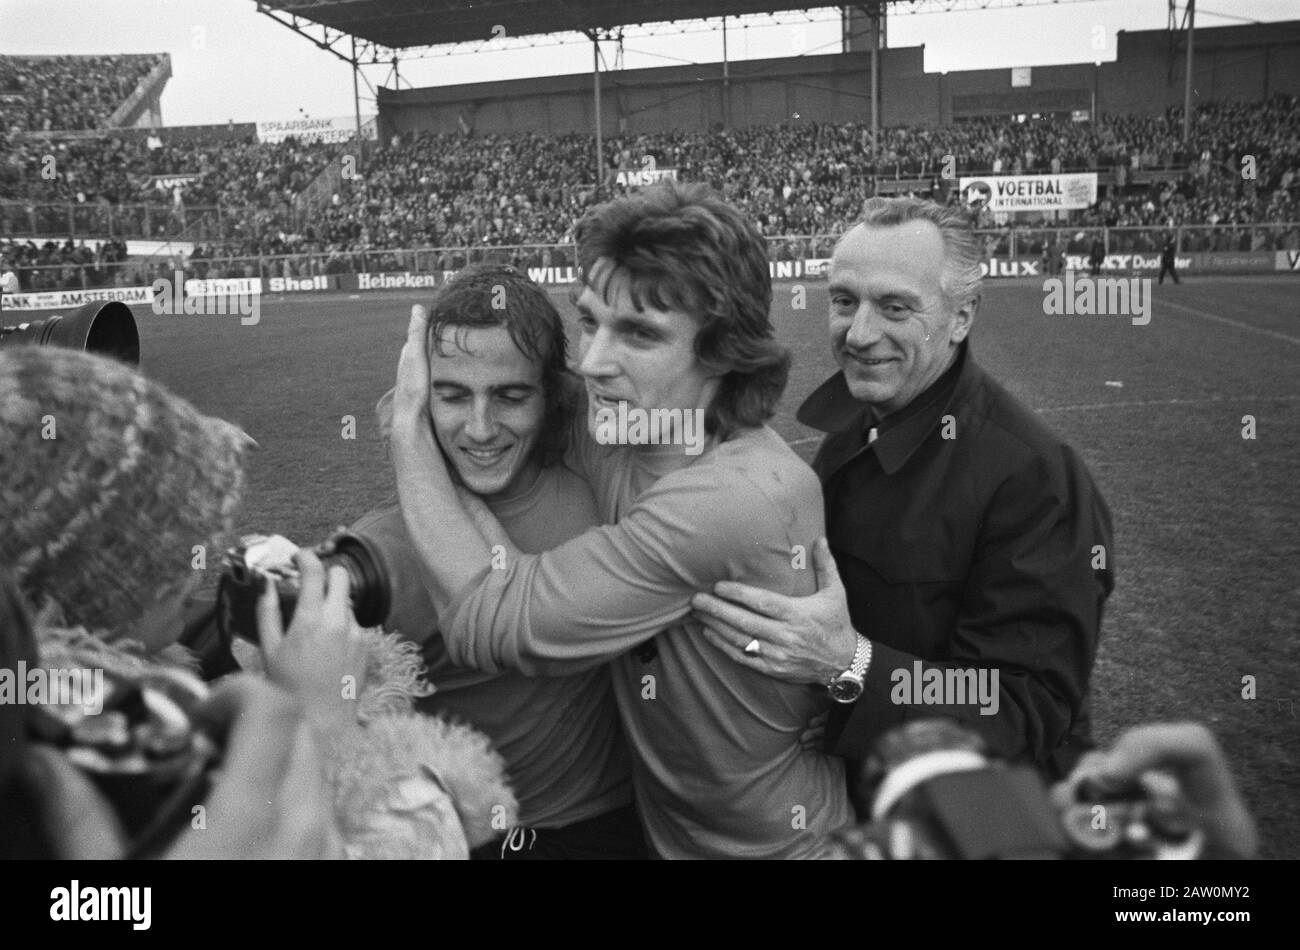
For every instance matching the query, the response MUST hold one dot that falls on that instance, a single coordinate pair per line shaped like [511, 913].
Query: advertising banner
[1008, 193]
[337, 129]
[223, 286]
[1196, 262]
[1287, 261]
[403, 280]
[553, 275]
[60, 299]
[168, 182]
[785, 270]
[1149, 261]
[1230, 262]
[298, 285]
[640, 177]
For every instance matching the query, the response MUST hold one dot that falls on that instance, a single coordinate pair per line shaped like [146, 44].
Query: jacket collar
[832, 408]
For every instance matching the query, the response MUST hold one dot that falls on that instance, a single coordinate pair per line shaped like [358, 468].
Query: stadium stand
[794, 179]
[459, 192]
[67, 93]
[122, 171]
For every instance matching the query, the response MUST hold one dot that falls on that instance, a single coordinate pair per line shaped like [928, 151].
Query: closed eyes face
[488, 405]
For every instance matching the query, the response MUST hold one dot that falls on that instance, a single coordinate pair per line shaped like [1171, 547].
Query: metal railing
[73, 276]
[1030, 241]
[44, 221]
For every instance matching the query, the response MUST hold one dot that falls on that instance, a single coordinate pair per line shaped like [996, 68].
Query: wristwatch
[846, 687]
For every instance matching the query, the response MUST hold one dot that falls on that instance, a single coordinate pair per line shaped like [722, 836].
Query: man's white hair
[961, 278]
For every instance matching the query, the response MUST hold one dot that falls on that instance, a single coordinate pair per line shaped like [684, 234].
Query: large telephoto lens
[106, 327]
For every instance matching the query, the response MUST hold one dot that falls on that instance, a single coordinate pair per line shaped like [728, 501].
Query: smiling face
[886, 298]
[646, 358]
[487, 403]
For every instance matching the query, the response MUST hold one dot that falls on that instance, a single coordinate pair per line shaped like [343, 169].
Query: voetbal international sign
[1031, 192]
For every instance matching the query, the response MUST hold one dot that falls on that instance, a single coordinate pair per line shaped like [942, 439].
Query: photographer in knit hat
[109, 483]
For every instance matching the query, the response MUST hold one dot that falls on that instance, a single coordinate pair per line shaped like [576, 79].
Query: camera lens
[367, 580]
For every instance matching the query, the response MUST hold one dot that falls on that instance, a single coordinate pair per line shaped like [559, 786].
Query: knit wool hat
[107, 483]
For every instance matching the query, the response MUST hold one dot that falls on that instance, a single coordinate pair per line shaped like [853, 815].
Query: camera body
[260, 560]
[938, 795]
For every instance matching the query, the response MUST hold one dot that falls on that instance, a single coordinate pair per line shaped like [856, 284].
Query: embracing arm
[1030, 609]
[613, 587]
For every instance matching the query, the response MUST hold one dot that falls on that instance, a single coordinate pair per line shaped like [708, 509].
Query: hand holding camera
[1190, 755]
[1162, 791]
[167, 770]
[322, 658]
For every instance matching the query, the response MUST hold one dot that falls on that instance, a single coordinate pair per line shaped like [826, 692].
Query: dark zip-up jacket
[968, 536]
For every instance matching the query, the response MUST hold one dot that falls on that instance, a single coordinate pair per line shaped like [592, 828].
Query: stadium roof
[400, 24]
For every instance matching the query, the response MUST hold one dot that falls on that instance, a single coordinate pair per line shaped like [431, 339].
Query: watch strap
[861, 658]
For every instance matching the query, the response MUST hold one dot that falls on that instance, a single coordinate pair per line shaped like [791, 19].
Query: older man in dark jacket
[974, 547]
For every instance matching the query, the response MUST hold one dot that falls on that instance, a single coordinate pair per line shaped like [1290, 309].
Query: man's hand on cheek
[417, 457]
[795, 639]
[411, 395]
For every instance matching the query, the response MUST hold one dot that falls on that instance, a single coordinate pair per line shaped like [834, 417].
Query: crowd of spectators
[1244, 169]
[464, 192]
[66, 93]
[54, 265]
[122, 170]
[1052, 144]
